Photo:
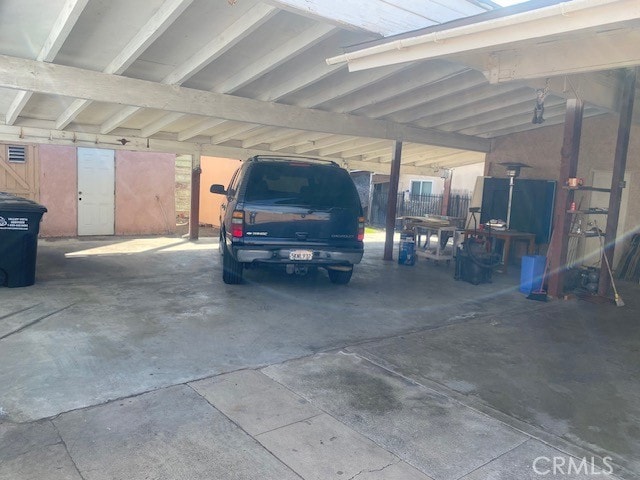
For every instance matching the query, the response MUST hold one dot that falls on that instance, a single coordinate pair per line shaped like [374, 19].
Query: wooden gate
[19, 172]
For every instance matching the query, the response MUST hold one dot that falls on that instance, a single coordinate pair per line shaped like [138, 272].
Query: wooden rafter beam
[63, 25]
[13, 134]
[220, 44]
[51, 79]
[169, 11]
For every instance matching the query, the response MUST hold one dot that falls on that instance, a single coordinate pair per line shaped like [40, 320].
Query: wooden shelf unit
[586, 234]
[588, 212]
[586, 188]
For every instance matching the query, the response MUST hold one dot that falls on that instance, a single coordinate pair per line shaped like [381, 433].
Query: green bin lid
[11, 203]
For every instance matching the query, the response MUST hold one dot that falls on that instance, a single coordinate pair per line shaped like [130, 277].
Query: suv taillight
[237, 224]
[360, 229]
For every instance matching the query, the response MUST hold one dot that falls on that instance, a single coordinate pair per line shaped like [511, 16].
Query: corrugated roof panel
[386, 17]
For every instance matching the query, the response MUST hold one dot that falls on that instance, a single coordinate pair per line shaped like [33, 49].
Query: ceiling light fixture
[538, 110]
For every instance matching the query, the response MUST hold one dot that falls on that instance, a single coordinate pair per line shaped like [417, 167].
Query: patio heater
[513, 171]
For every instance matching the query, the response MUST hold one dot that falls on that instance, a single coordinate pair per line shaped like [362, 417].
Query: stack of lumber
[431, 221]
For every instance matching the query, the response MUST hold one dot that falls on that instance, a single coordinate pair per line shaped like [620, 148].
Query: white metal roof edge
[565, 9]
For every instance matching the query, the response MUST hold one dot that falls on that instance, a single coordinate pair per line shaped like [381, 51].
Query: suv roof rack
[290, 158]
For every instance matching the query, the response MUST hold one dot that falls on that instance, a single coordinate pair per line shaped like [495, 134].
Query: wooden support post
[194, 214]
[392, 199]
[559, 245]
[370, 202]
[617, 180]
[446, 194]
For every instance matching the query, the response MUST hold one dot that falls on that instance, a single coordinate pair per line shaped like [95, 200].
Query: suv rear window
[302, 184]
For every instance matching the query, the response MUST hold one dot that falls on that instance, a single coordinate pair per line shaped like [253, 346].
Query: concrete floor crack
[66, 448]
[19, 311]
[374, 470]
[33, 322]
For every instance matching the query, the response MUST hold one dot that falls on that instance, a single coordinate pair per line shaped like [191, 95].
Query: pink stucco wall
[58, 187]
[214, 170]
[145, 193]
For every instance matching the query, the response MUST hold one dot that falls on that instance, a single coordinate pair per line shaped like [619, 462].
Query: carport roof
[236, 78]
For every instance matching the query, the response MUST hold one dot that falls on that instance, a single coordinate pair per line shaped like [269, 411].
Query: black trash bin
[19, 227]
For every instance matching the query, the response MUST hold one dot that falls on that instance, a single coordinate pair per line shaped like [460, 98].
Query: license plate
[301, 255]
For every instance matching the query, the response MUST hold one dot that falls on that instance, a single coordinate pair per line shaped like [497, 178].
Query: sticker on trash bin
[14, 223]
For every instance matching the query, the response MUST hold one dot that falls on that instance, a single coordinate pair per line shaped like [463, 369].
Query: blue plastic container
[532, 273]
[407, 248]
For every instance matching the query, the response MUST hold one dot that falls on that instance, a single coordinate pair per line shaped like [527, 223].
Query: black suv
[295, 212]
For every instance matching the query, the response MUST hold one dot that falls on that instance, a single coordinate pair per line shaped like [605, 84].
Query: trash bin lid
[11, 203]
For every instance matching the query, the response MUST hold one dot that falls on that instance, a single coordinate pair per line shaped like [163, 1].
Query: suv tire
[340, 277]
[231, 268]
[221, 243]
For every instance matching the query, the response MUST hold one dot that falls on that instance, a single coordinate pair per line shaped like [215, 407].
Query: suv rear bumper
[321, 256]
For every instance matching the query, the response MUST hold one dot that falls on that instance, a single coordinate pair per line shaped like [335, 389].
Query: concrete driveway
[131, 359]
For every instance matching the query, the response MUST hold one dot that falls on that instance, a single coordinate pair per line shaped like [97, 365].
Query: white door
[96, 191]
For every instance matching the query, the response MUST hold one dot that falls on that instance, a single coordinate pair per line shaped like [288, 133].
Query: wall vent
[17, 154]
